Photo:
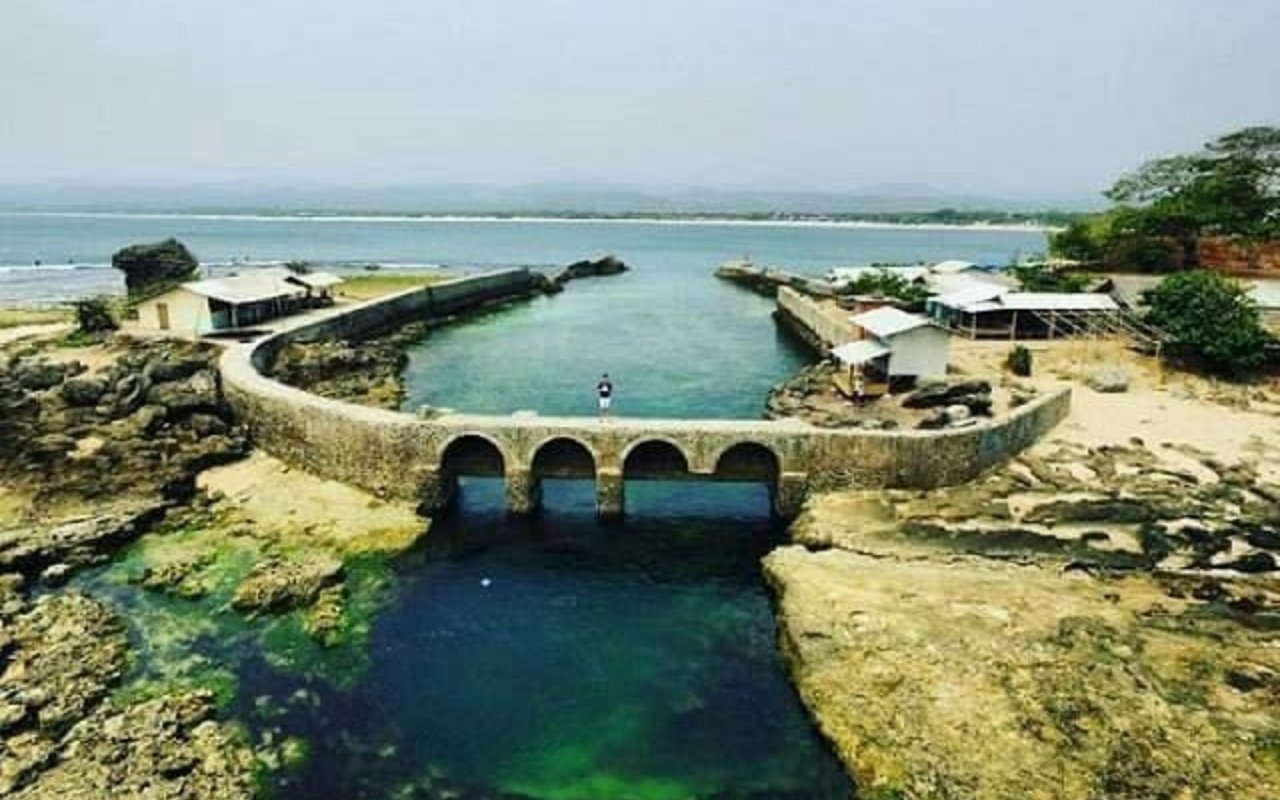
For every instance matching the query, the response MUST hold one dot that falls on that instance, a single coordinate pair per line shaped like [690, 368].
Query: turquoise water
[556, 658]
[553, 658]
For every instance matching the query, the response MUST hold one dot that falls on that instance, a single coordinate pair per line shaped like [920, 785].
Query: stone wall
[399, 455]
[821, 325]
[1239, 257]
[929, 459]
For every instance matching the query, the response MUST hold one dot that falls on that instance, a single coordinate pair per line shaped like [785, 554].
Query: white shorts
[604, 403]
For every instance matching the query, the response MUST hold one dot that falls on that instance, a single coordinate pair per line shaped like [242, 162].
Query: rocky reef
[365, 371]
[1084, 623]
[587, 268]
[147, 423]
[62, 736]
[98, 445]
[811, 395]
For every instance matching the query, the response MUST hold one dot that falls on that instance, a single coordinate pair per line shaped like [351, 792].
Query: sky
[1016, 98]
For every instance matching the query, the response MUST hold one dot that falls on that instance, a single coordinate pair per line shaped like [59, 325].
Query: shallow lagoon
[555, 657]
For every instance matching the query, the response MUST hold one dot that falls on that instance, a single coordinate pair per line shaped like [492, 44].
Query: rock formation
[152, 268]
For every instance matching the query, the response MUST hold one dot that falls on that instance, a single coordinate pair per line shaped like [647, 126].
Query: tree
[152, 268]
[1231, 187]
[1042, 278]
[1210, 319]
[884, 283]
[93, 315]
[1019, 361]
[1079, 241]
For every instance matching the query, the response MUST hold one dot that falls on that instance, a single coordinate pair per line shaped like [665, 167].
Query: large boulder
[197, 393]
[279, 585]
[150, 268]
[945, 393]
[605, 265]
[1109, 380]
[83, 391]
[38, 375]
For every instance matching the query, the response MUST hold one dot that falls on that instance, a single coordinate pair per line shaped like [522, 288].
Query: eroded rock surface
[1085, 623]
[60, 735]
[280, 584]
[145, 424]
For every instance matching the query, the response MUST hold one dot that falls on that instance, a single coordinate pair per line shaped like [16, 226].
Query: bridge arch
[563, 457]
[473, 454]
[748, 461]
[655, 458]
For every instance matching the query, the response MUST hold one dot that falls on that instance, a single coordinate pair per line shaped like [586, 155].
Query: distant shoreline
[868, 222]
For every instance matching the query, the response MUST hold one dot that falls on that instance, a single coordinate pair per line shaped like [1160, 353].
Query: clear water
[560, 659]
[554, 658]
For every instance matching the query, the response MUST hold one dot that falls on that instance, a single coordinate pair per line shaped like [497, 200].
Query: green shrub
[93, 315]
[1210, 320]
[1019, 361]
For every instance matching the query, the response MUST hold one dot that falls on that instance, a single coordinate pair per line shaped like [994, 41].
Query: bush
[886, 284]
[1043, 278]
[93, 315]
[1211, 320]
[1019, 361]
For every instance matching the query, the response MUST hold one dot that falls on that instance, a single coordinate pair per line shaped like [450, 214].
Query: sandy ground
[284, 502]
[1162, 407]
[18, 332]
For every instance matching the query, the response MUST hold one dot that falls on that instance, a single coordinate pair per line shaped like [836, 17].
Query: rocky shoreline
[61, 735]
[104, 445]
[1082, 623]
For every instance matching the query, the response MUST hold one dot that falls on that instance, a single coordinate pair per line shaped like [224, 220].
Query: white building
[1266, 294]
[234, 301]
[894, 345]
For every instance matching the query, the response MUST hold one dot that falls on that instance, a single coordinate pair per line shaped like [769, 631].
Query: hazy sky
[1021, 97]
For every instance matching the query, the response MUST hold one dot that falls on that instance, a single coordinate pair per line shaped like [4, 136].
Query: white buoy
[485, 582]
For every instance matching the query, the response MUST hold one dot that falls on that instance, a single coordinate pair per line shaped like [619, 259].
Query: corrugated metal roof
[316, 280]
[887, 321]
[975, 300]
[976, 292]
[1058, 301]
[859, 352]
[950, 284]
[249, 287]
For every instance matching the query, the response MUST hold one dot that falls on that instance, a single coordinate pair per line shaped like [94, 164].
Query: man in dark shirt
[604, 395]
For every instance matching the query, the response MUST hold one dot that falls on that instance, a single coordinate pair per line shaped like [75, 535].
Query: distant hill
[557, 198]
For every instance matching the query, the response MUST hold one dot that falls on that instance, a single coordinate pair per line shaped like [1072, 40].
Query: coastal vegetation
[1230, 188]
[1041, 277]
[1211, 321]
[886, 284]
[21, 317]
[94, 315]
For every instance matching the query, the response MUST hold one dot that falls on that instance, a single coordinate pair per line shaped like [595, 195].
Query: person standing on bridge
[604, 396]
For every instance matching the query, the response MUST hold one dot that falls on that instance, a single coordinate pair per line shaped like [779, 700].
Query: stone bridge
[526, 449]
[406, 456]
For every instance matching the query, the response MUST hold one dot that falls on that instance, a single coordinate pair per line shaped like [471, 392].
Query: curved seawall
[401, 455]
